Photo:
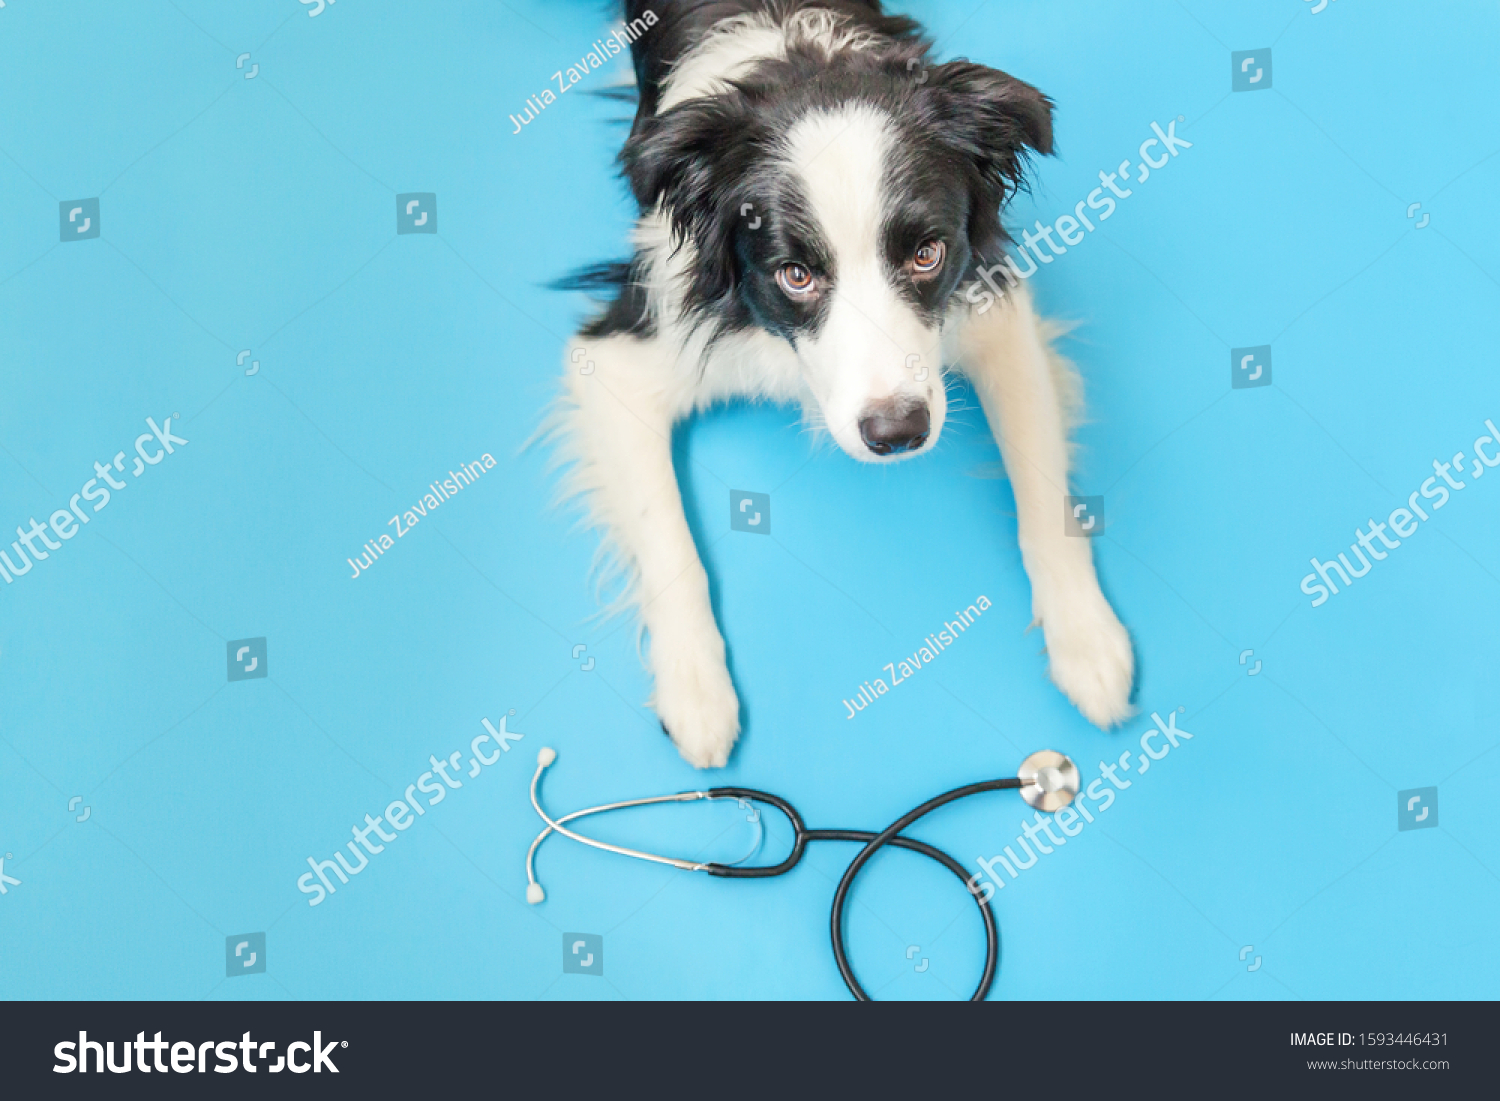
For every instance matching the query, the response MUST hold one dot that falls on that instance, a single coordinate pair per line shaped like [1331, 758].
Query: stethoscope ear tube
[799, 835]
[891, 836]
[873, 843]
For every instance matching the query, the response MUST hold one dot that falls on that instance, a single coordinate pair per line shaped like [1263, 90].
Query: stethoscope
[1046, 780]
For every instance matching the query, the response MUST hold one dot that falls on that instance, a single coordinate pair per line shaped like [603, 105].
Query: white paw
[695, 700]
[1090, 658]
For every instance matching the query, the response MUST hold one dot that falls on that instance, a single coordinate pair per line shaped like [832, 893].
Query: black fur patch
[683, 24]
[628, 310]
[716, 164]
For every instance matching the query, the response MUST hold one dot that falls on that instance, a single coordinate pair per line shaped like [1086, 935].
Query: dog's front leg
[1025, 393]
[619, 423]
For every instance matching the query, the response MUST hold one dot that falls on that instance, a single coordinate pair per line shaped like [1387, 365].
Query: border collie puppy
[816, 195]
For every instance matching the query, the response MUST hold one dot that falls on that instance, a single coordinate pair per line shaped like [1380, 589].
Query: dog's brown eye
[928, 257]
[795, 279]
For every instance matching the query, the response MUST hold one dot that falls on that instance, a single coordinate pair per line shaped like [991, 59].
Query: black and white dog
[815, 196]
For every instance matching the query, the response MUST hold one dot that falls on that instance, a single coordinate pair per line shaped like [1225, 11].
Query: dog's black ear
[693, 160]
[994, 122]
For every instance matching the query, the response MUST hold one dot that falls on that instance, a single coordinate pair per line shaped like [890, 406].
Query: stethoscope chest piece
[1049, 781]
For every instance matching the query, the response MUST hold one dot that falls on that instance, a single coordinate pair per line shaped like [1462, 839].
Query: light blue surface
[258, 214]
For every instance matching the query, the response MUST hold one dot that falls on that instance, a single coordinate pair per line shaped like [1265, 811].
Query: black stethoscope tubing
[873, 843]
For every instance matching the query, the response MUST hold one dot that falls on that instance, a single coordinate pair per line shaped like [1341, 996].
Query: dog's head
[840, 208]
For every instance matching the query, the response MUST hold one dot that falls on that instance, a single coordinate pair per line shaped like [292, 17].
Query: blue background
[257, 214]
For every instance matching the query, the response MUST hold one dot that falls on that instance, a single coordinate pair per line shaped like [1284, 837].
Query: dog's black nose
[888, 429]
